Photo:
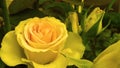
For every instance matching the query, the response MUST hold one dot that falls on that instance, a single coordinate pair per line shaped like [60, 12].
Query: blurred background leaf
[44, 1]
[57, 9]
[115, 19]
[2, 65]
[28, 13]
[8, 2]
[19, 5]
[73, 2]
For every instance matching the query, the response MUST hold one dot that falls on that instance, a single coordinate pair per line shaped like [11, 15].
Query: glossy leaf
[19, 5]
[28, 13]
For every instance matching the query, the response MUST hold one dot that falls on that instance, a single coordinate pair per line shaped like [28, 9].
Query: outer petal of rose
[11, 52]
[82, 63]
[59, 62]
[74, 47]
[109, 58]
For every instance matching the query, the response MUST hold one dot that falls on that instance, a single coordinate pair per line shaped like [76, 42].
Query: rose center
[41, 32]
[44, 32]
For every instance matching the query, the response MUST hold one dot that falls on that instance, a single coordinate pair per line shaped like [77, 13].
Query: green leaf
[2, 65]
[8, 2]
[75, 2]
[110, 5]
[115, 19]
[28, 13]
[57, 9]
[105, 26]
[64, 6]
[19, 5]
[43, 1]
[7, 26]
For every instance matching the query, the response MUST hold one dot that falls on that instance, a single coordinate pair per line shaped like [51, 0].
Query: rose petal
[46, 31]
[60, 62]
[109, 58]
[41, 57]
[111, 48]
[74, 47]
[11, 52]
[81, 63]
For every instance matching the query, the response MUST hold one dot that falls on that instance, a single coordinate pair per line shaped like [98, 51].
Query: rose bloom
[38, 43]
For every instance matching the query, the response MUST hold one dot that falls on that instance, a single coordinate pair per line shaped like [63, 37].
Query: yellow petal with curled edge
[11, 52]
[59, 62]
[109, 58]
[74, 47]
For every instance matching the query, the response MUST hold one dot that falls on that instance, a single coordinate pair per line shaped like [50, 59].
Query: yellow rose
[39, 42]
[41, 38]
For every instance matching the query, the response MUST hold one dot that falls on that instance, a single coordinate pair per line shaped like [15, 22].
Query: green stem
[7, 26]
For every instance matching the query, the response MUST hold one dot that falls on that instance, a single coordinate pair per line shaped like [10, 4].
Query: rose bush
[39, 42]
